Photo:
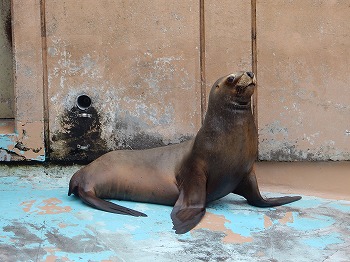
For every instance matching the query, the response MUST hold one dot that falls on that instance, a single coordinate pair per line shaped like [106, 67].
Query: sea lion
[218, 161]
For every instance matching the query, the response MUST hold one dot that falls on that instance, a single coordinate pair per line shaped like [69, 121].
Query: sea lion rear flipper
[90, 199]
[248, 188]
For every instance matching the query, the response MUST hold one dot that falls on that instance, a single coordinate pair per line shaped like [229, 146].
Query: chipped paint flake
[27, 205]
[288, 218]
[267, 222]
[22, 144]
[217, 223]
[51, 206]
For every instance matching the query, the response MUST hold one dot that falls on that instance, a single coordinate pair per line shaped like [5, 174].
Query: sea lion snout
[246, 79]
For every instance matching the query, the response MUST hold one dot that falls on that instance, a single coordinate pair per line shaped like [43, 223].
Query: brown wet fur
[136, 175]
[217, 162]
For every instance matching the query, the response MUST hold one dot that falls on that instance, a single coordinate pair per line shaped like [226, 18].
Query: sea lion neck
[226, 119]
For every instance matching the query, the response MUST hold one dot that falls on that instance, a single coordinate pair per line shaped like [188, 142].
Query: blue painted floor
[39, 222]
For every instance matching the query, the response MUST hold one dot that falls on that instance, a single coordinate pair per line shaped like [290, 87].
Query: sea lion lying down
[217, 162]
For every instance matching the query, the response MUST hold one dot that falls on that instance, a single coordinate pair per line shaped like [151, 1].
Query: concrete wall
[303, 77]
[147, 67]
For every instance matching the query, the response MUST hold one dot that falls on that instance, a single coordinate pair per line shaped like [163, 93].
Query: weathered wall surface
[142, 64]
[138, 61]
[23, 138]
[303, 80]
[6, 65]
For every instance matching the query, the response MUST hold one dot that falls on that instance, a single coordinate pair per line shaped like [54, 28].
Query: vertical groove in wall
[13, 63]
[202, 60]
[254, 59]
[255, 65]
[45, 79]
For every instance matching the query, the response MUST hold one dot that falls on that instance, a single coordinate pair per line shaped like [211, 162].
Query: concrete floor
[39, 222]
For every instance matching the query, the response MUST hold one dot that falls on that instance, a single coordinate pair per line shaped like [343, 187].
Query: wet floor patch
[39, 222]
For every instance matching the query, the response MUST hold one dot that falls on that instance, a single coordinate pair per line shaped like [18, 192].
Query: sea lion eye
[230, 79]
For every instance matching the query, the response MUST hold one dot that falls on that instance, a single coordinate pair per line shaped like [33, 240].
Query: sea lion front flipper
[89, 198]
[190, 206]
[186, 216]
[248, 188]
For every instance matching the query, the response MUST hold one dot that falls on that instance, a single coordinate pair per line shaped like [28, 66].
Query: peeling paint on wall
[19, 144]
[22, 144]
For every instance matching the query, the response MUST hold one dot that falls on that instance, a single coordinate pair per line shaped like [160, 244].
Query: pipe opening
[84, 102]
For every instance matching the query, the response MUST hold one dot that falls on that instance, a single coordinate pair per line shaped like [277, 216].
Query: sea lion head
[232, 92]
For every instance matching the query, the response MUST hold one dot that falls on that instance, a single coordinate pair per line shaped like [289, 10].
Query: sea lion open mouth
[241, 105]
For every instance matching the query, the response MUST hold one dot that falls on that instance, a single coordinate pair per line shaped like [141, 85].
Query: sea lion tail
[89, 198]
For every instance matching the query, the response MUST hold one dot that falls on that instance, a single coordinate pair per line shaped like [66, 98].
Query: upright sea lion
[218, 161]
